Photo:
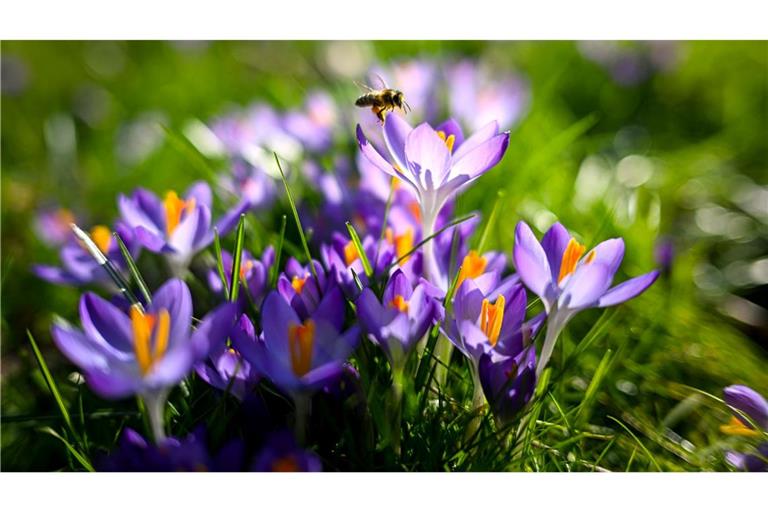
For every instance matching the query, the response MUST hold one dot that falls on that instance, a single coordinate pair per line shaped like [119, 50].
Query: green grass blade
[591, 394]
[360, 251]
[491, 222]
[51, 384]
[640, 443]
[278, 253]
[133, 269]
[237, 259]
[297, 219]
[82, 459]
[220, 261]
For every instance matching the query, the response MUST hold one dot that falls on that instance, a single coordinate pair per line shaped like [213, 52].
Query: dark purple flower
[79, 268]
[664, 253]
[309, 296]
[343, 261]
[752, 462]
[298, 356]
[178, 227]
[568, 283]
[141, 353]
[508, 381]
[281, 453]
[226, 369]
[750, 403]
[134, 453]
[254, 272]
[400, 319]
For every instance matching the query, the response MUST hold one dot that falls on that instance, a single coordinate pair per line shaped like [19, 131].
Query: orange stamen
[174, 207]
[491, 316]
[298, 283]
[350, 253]
[737, 428]
[415, 210]
[450, 140]
[287, 464]
[472, 266]
[301, 340]
[102, 237]
[399, 303]
[245, 268]
[571, 256]
[142, 325]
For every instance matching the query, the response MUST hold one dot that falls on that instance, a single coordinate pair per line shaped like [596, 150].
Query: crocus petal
[331, 308]
[74, 344]
[531, 262]
[112, 384]
[182, 240]
[554, 243]
[107, 324]
[452, 127]
[628, 289]
[201, 191]
[585, 286]
[276, 316]
[480, 136]
[378, 161]
[174, 297]
[142, 210]
[610, 252]
[172, 367]
[213, 330]
[749, 401]
[230, 219]
[480, 159]
[55, 275]
[427, 155]
[396, 131]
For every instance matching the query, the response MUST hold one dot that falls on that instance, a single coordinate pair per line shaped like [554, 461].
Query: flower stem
[478, 401]
[554, 326]
[303, 405]
[155, 406]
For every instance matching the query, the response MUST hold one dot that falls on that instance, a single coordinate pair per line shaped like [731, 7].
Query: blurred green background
[678, 149]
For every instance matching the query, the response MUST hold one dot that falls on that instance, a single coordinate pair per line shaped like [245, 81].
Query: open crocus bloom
[308, 296]
[752, 405]
[567, 280]
[400, 319]
[141, 352]
[178, 226]
[78, 267]
[298, 356]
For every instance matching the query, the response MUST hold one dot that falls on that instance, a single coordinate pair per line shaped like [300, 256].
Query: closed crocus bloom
[141, 352]
[508, 381]
[568, 279]
[309, 296]
[78, 267]
[400, 319]
[179, 226]
[255, 273]
[435, 163]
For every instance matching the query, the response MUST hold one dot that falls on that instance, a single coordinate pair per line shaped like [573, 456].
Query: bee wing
[363, 86]
[381, 80]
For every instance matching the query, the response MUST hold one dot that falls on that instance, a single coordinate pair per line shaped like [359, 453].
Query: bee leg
[379, 113]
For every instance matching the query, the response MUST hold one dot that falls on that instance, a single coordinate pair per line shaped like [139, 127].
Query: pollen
[298, 283]
[449, 140]
[174, 208]
[142, 326]
[571, 256]
[301, 340]
[399, 303]
[491, 317]
[472, 266]
[350, 253]
[101, 236]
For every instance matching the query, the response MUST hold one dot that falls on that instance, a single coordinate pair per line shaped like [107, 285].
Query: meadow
[369, 300]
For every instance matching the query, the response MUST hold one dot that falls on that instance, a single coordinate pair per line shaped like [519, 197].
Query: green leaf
[275, 272]
[220, 261]
[237, 259]
[491, 221]
[133, 269]
[360, 251]
[591, 394]
[82, 459]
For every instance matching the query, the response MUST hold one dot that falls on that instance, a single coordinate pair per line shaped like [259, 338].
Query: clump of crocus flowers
[397, 283]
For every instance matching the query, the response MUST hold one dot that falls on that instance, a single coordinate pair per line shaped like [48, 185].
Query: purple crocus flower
[53, 225]
[226, 369]
[344, 262]
[313, 124]
[178, 227]
[508, 382]
[476, 98]
[435, 163]
[281, 453]
[140, 352]
[298, 356]
[751, 410]
[567, 283]
[254, 272]
[191, 453]
[79, 268]
[400, 319]
[250, 183]
[309, 296]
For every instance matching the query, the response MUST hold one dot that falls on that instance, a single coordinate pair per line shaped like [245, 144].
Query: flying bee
[382, 100]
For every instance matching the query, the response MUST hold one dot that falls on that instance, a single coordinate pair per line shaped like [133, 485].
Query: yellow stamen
[736, 428]
[571, 256]
[404, 244]
[491, 316]
[399, 303]
[301, 339]
[102, 237]
[298, 283]
[174, 207]
[142, 325]
[395, 183]
[287, 464]
[350, 253]
[245, 268]
[450, 140]
[472, 266]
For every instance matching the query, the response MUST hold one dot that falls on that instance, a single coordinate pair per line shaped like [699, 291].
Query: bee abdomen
[365, 100]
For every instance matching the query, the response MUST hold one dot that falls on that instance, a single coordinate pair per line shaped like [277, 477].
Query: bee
[382, 100]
